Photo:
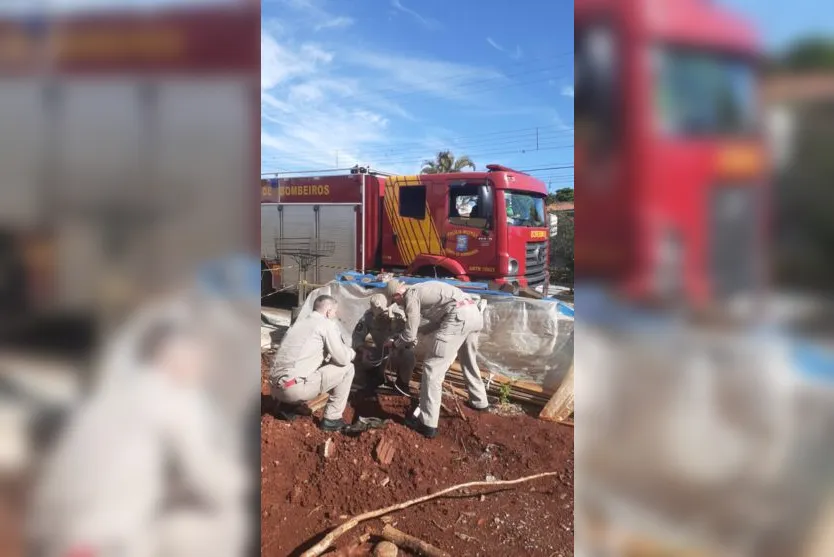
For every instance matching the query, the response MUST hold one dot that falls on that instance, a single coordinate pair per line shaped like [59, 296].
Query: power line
[564, 167]
[507, 137]
[529, 138]
[305, 171]
[418, 163]
[482, 154]
[528, 141]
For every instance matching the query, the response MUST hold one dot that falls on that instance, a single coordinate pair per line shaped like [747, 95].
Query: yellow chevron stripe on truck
[417, 236]
[413, 227]
[432, 244]
[391, 210]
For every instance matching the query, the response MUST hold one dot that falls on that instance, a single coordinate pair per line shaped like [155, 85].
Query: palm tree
[446, 162]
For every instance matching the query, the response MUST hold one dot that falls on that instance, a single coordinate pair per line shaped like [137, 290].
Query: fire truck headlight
[512, 268]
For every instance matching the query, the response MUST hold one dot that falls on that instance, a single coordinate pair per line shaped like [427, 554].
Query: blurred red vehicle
[671, 170]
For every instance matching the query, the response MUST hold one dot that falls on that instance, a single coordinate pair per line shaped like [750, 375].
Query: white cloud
[567, 91]
[515, 55]
[447, 80]
[426, 22]
[495, 45]
[557, 119]
[312, 13]
[336, 22]
[321, 103]
[280, 63]
[305, 120]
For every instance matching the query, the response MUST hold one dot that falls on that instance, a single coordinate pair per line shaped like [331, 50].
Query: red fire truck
[670, 162]
[108, 116]
[473, 225]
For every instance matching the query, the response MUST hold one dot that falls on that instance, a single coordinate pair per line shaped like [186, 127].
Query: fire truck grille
[536, 263]
[733, 239]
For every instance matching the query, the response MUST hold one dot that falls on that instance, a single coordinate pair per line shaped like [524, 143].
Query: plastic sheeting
[701, 438]
[524, 339]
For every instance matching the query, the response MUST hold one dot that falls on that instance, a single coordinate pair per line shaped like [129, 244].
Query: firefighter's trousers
[456, 336]
[332, 379]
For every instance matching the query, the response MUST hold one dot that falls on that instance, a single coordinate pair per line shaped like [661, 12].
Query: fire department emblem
[462, 243]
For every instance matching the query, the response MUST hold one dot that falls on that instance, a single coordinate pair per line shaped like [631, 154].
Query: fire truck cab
[670, 167]
[486, 225]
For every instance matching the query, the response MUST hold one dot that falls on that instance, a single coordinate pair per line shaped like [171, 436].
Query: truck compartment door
[21, 150]
[270, 230]
[296, 232]
[98, 148]
[337, 225]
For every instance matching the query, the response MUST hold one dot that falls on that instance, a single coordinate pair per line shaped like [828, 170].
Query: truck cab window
[413, 202]
[468, 206]
[703, 93]
[525, 209]
[597, 103]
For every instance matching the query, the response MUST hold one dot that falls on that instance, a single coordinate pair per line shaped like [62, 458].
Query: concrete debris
[385, 451]
[327, 449]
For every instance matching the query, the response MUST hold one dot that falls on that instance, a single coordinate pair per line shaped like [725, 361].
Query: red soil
[304, 495]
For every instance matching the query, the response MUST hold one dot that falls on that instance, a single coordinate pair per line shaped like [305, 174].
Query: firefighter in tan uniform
[142, 469]
[314, 359]
[456, 320]
[382, 322]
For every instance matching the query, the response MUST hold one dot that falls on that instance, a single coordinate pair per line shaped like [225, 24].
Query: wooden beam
[560, 406]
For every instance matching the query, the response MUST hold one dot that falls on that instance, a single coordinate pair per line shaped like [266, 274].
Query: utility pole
[537, 139]
[337, 158]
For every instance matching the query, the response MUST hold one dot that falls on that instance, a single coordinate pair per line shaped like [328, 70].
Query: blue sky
[390, 82]
[781, 21]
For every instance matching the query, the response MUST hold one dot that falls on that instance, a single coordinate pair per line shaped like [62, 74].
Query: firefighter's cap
[378, 303]
[392, 287]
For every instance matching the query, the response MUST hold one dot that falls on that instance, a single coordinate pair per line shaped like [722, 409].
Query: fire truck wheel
[433, 272]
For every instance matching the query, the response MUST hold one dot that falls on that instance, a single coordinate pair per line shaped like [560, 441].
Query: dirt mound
[304, 494]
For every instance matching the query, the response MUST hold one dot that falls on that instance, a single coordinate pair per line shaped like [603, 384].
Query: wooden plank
[521, 385]
[317, 403]
[520, 391]
[458, 384]
[560, 406]
[495, 388]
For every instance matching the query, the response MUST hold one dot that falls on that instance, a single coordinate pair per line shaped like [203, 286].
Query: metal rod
[305, 171]
[363, 213]
[279, 204]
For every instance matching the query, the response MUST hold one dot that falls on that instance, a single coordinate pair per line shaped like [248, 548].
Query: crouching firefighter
[314, 359]
[382, 322]
[455, 320]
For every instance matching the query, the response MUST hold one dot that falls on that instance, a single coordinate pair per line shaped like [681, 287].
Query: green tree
[804, 231]
[561, 195]
[561, 249]
[446, 162]
[810, 53]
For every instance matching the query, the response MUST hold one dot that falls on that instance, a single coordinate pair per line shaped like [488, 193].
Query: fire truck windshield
[524, 209]
[699, 93]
